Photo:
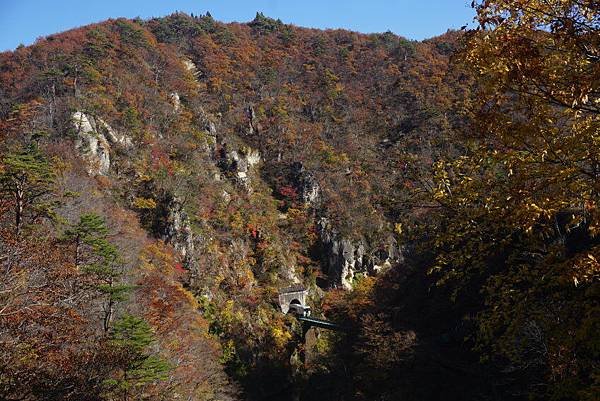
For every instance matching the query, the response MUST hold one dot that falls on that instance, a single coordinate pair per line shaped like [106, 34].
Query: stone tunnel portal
[292, 295]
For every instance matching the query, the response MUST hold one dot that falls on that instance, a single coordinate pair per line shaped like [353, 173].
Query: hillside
[163, 179]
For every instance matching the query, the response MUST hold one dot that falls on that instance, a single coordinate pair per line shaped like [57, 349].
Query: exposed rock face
[114, 137]
[172, 225]
[211, 128]
[92, 145]
[189, 65]
[211, 138]
[239, 164]
[253, 125]
[344, 258]
[94, 138]
[252, 157]
[306, 184]
[176, 101]
[180, 233]
[386, 255]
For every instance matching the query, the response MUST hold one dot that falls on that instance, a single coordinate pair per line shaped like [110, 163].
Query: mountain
[163, 179]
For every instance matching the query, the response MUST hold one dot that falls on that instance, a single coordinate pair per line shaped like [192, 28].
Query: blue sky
[22, 21]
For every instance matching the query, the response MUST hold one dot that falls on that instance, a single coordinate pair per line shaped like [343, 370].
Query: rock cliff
[343, 258]
[94, 139]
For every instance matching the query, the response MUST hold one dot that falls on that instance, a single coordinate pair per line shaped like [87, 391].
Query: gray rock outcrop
[172, 225]
[239, 164]
[180, 232]
[253, 124]
[94, 140]
[175, 101]
[191, 67]
[344, 258]
[308, 188]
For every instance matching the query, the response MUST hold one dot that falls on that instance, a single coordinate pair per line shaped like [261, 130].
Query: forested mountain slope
[163, 179]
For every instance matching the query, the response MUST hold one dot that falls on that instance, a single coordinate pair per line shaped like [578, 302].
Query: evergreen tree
[133, 336]
[100, 259]
[87, 231]
[26, 176]
[265, 24]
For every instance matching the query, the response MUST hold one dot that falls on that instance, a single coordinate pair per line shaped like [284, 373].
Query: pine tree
[132, 337]
[87, 231]
[107, 272]
[26, 176]
[101, 260]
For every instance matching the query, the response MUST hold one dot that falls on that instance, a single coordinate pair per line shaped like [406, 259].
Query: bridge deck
[324, 324]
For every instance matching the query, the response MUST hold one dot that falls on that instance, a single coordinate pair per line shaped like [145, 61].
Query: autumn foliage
[158, 279]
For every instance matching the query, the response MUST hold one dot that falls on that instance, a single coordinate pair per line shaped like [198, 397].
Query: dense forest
[162, 180]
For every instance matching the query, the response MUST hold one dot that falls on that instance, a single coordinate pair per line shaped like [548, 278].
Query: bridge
[324, 324]
[293, 300]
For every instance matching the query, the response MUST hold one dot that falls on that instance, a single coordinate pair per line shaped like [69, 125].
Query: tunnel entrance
[295, 295]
